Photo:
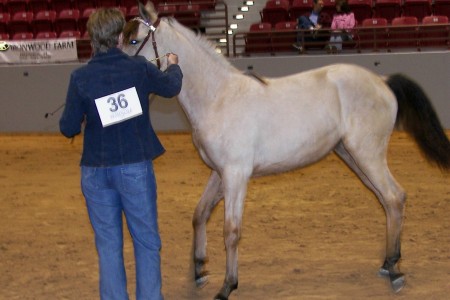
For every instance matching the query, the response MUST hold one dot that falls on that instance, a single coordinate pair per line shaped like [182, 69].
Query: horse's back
[318, 108]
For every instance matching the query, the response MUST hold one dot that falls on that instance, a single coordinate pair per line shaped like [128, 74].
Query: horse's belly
[281, 156]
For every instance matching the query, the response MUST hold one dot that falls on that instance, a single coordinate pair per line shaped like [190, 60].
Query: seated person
[341, 25]
[312, 23]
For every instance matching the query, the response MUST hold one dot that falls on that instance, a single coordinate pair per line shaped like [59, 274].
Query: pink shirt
[343, 21]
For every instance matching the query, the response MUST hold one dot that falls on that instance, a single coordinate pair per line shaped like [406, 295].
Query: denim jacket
[129, 141]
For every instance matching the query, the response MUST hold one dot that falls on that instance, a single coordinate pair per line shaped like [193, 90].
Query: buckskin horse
[244, 127]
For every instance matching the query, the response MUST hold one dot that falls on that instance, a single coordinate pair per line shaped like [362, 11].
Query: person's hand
[172, 59]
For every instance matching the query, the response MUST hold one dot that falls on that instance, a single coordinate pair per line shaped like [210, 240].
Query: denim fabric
[130, 141]
[130, 189]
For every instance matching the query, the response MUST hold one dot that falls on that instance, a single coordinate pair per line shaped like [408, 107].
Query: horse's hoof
[383, 272]
[220, 297]
[202, 281]
[397, 282]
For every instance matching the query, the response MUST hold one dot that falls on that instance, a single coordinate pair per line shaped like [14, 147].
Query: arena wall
[29, 92]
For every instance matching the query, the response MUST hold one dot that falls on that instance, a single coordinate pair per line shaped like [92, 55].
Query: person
[341, 25]
[111, 95]
[312, 23]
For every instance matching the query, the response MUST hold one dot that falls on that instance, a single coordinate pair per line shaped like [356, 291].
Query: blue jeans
[130, 189]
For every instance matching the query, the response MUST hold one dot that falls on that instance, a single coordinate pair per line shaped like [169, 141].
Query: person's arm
[73, 116]
[169, 82]
[350, 21]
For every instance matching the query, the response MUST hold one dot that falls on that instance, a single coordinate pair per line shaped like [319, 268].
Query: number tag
[119, 107]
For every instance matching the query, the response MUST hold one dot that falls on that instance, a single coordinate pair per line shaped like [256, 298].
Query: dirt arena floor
[314, 233]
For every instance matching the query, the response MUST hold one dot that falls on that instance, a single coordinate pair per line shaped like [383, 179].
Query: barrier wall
[29, 92]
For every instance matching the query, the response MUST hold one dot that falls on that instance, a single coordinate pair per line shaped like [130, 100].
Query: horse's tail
[417, 116]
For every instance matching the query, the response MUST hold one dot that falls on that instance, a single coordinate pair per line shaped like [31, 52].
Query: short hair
[104, 27]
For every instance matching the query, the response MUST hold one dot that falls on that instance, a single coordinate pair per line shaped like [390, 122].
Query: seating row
[45, 24]
[372, 33]
[284, 10]
[34, 6]
[21, 24]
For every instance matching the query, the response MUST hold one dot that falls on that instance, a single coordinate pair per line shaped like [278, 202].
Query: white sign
[38, 51]
[118, 107]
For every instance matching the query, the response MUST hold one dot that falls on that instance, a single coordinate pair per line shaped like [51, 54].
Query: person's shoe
[298, 47]
[331, 49]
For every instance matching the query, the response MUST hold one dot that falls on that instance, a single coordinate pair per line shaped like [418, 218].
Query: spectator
[312, 23]
[341, 25]
[117, 173]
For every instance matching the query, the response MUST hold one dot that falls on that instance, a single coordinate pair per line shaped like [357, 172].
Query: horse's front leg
[211, 196]
[235, 188]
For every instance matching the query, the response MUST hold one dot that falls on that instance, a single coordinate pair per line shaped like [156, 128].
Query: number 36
[119, 102]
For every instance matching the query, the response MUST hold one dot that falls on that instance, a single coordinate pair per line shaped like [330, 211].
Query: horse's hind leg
[372, 169]
[211, 196]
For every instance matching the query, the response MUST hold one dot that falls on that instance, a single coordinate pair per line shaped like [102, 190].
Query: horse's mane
[200, 40]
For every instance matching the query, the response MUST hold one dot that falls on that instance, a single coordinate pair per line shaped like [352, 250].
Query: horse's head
[140, 36]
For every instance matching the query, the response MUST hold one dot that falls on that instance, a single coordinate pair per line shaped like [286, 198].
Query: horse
[244, 127]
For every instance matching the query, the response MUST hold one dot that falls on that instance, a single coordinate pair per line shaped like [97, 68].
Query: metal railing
[386, 38]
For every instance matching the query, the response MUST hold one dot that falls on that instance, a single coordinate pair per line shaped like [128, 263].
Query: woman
[110, 94]
[341, 25]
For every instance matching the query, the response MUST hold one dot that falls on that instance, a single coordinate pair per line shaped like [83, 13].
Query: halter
[151, 32]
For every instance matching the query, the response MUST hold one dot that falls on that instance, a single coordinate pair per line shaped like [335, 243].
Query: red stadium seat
[434, 31]
[20, 22]
[4, 21]
[46, 35]
[36, 6]
[388, 9]
[67, 20]
[82, 21]
[14, 6]
[107, 3]
[417, 8]
[300, 8]
[60, 5]
[403, 32]
[204, 4]
[283, 36]
[22, 36]
[275, 11]
[129, 4]
[188, 15]
[166, 10]
[442, 8]
[43, 21]
[133, 12]
[4, 36]
[259, 38]
[361, 8]
[328, 10]
[373, 34]
[81, 5]
[70, 34]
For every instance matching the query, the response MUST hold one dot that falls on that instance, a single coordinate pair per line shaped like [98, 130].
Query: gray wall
[29, 92]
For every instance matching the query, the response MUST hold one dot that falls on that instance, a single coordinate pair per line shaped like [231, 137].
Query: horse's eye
[133, 42]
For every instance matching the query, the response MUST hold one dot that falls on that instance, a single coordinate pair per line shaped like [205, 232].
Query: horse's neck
[203, 78]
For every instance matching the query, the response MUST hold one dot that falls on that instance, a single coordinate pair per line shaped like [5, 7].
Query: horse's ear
[148, 11]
